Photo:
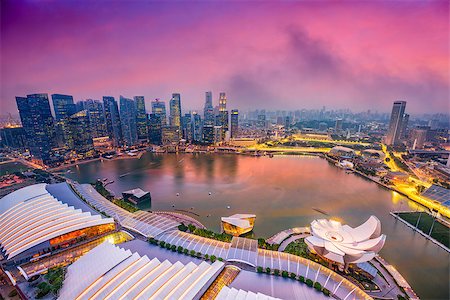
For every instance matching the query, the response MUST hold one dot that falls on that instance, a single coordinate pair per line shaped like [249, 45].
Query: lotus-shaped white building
[344, 244]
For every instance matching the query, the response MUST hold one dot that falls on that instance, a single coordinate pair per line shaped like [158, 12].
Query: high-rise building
[187, 128]
[96, 116]
[170, 135]
[197, 127]
[222, 102]
[261, 122]
[208, 134]
[338, 125]
[393, 136]
[112, 118]
[159, 108]
[175, 111]
[404, 131]
[418, 137]
[38, 123]
[155, 129]
[234, 123]
[218, 134]
[128, 120]
[141, 118]
[12, 137]
[63, 106]
[208, 112]
[79, 136]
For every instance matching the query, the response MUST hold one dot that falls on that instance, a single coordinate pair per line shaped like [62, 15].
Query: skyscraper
[404, 131]
[128, 120]
[234, 123]
[155, 129]
[112, 118]
[187, 128]
[175, 111]
[159, 108]
[141, 118]
[79, 137]
[208, 134]
[393, 136]
[38, 123]
[197, 127]
[63, 106]
[222, 102]
[338, 125]
[96, 118]
[208, 111]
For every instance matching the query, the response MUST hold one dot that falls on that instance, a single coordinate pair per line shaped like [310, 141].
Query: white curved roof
[109, 272]
[227, 293]
[344, 244]
[239, 220]
[31, 215]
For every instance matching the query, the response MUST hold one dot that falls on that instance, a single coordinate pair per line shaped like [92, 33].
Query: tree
[213, 258]
[199, 254]
[168, 246]
[284, 274]
[192, 253]
[293, 275]
[268, 271]
[259, 269]
[162, 244]
[301, 278]
[220, 259]
[182, 227]
[185, 251]
[326, 292]
[206, 256]
[317, 286]
[191, 227]
[180, 249]
[173, 248]
[276, 272]
[309, 282]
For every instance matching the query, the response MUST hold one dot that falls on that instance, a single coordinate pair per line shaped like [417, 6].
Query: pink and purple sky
[274, 55]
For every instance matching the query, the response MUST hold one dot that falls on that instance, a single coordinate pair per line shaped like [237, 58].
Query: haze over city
[288, 55]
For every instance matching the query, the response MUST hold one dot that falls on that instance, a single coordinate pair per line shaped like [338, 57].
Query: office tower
[222, 102]
[141, 118]
[395, 124]
[234, 123]
[208, 134]
[128, 120]
[170, 135]
[208, 112]
[187, 128]
[155, 129]
[404, 130]
[197, 127]
[175, 111]
[338, 125]
[218, 134]
[261, 122]
[12, 137]
[79, 136]
[63, 106]
[418, 137]
[38, 123]
[287, 122]
[159, 108]
[96, 116]
[112, 118]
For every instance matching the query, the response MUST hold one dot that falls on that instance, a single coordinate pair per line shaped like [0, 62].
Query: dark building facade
[96, 118]
[155, 129]
[128, 120]
[159, 108]
[141, 118]
[175, 110]
[13, 137]
[63, 106]
[112, 118]
[38, 123]
[234, 123]
[80, 139]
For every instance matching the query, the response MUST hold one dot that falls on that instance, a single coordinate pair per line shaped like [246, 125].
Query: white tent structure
[344, 244]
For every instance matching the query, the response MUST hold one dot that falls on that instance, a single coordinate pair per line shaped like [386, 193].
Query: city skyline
[299, 62]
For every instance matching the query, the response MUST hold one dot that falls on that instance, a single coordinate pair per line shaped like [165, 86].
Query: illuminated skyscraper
[222, 102]
[112, 118]
[96, 118]
[141, 118]
[159, 108]
[208, 112]
[155, 129]
[338, 125]
[175, 111]
[187, 128]
[393, 136]
[79, 136]
[197, 127]
[63, 106]
[128, 120]
[234, 123]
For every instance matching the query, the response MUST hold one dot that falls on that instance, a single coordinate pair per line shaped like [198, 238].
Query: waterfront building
[342, 152]
[197, 127]
[137, 196]
[42, 218]
[38, 124]
[141, 118]
[112, 118]
[128, 120]
[63, 106]
[187, 128]
[96, 118]
[218, 134]
[208, 112]
[159, 108]
[175, 110]
[234, 123]
[79, 133]
[155, 129]
[343, 244]
[170, 135]
[208, 134]
[238, 224]
[12, 137]
[394, 133]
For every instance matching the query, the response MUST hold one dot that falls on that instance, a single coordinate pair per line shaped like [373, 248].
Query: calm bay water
[283, 192]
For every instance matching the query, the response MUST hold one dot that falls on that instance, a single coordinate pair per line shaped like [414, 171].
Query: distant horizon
[288, 55]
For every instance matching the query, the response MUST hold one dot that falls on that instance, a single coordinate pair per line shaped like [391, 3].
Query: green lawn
[8, 168]
[440, 232]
